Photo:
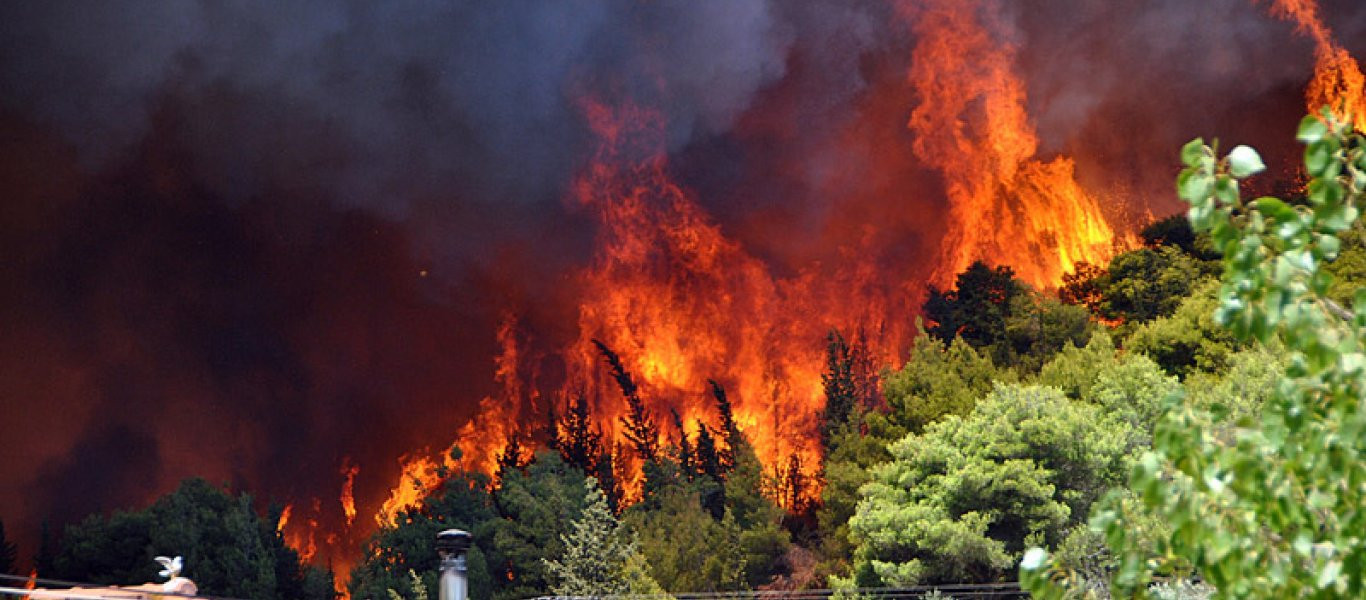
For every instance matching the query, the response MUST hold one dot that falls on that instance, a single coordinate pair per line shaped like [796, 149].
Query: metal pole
[451, 545]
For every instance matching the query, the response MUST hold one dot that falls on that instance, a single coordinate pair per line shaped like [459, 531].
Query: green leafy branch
[1278, 512]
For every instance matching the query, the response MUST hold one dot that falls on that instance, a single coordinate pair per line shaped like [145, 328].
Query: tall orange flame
[419, 476]
[1338, 82]
[284, 518]
[1007, 206]
[681, 303]
[348, 499]
[31, 583]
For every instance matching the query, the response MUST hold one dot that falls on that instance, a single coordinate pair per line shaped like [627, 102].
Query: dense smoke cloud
[250, 240]
[402, 96]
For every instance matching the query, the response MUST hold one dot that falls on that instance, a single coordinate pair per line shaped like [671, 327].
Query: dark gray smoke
[405, 97]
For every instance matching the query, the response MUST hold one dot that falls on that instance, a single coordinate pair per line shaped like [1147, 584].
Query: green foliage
[1073, 370]
[1145, 284]
[600, 556]
[537, 508]
[686, 549]
[229, 550]
[762, 537]
[1133, 390]
[1188, 341]
[1274, 509]
[858, 446]
[1084, 555]
[1003, 318]
[419, 588]
[1240, 392]
[959, 501]
[461, 502]
[1038, 327]
[938, 379]
[1139, 285]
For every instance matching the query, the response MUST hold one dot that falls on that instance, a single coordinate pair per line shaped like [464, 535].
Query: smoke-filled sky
[252, 240]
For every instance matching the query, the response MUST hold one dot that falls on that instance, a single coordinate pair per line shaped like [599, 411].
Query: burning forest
[346, 257]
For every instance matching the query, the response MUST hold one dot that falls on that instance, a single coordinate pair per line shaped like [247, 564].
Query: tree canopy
[229, 549]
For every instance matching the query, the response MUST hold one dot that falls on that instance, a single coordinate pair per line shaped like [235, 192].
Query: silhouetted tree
[729, 432]
[229, 549]
[850, 381]
[1084, 286]
[708, 458]
[686, 459]
[977, 307]
[1176, 231]
[641, 429]
[579, 442]
[711, 472]
[605, 471]
[794, 493]
[550, 430]
[510, 459]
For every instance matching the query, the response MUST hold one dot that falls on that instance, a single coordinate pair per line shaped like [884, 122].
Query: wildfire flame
[31, 583]
[681, 303]
[1338, 81]
[416, 479]
[348, 500]
[1006, 205]
[284, 518]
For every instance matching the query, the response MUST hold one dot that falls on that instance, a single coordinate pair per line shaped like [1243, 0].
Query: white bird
[172, 566]
[175, 584]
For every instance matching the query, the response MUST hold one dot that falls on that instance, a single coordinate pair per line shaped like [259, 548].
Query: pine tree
[510, 459]
[641, 429]
[730, 434]
[710, 472]
[579, 442]
[850, 383]
[550, 430]
[793, 484]
[708, 459]
[601, 558]
[687, 459]
[605, 471]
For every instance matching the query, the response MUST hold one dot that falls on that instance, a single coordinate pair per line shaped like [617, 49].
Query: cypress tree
[686, 458]
[641, 429]
[579, 441]
[730, 434]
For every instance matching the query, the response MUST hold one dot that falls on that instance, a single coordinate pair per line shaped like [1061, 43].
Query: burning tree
[641, 429]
